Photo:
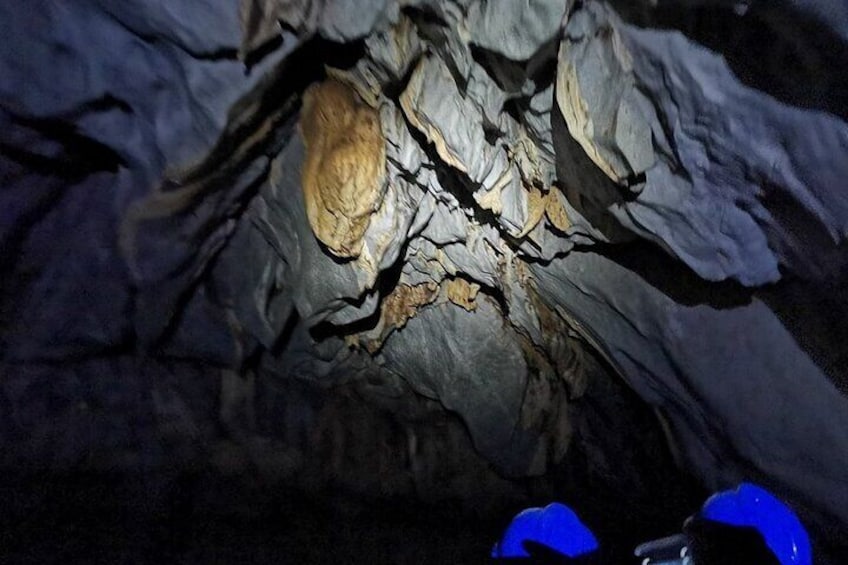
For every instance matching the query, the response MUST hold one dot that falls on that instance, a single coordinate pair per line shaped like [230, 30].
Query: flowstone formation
[462, 212]
[344, 166]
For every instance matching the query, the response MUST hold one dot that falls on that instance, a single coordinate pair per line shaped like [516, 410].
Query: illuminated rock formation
[502, 239]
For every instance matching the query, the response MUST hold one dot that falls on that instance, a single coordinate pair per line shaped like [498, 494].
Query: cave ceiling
[459, 199]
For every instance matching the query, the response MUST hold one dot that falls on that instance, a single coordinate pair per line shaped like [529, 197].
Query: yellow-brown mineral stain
[344, 168]
[404, 301]
[536, 203]
[555, 210]
[463, 293]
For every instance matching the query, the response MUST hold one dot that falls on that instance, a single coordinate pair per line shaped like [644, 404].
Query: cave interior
[356, 281]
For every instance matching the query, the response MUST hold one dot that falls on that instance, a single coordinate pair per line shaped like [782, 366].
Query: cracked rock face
[468, 214]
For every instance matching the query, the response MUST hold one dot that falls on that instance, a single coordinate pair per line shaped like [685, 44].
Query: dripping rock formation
[303, 262]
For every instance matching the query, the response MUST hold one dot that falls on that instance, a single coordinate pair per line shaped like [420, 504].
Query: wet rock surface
[405, 248]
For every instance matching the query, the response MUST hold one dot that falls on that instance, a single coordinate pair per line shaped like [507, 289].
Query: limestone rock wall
[461, 200]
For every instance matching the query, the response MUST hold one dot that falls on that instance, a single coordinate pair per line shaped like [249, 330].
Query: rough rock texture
[430, 216]
[344, 166]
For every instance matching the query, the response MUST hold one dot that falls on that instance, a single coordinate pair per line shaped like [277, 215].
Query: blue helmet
[555, 526]
[753, 506]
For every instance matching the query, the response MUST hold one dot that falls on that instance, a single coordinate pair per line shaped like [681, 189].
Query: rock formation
[236, 224]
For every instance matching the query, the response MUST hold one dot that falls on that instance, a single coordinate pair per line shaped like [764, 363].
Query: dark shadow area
[288, 330]
[588, 189]
[541, 554]
[619, 474]
[192, 206]
[813, 310]
[461, 187]
[507, 73]
[274, 100]
[65, 152]
[386, 282]
[433, 28]
[672, 277]
[815, 314]
[60, 154]
[770, 46]
[257, 55]
[510, 74]
[811, 298]
[110, 518]
[747, 544]
[802, 240]
[363, 504]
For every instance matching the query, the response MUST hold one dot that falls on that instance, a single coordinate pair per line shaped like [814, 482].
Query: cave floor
[96, 519]
[201, 518]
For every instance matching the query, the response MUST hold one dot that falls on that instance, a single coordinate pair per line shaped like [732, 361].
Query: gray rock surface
[483, 381]
[661, 184]
[741, 395]
[777, 156]
[516, 30]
